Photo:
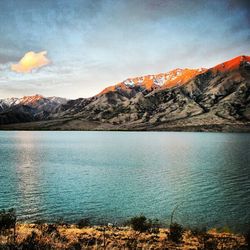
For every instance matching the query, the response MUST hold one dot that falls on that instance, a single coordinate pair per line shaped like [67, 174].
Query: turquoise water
[110, 176]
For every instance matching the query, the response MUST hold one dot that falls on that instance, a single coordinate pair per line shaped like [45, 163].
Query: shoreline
[85, 125]
[71, 236]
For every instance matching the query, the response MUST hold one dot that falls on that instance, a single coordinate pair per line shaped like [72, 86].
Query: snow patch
[129, 82]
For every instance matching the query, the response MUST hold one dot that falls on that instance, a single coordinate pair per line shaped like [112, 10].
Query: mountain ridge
[203, 99]
[157, 81]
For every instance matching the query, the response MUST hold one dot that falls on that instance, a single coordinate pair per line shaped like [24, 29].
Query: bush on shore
[140, 223]
[85, 222]
[176, 232]
[247, 238]
[7, 219]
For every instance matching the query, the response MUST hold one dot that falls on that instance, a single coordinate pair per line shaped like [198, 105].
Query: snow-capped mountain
[186, 99]
[6, 103]
[28, 108]
[176, 77]
[35, 101]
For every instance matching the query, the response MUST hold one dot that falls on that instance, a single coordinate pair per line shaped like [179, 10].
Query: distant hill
[215, 99]
[28, 108]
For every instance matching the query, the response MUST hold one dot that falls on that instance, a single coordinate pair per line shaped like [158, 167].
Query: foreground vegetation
[137, 233]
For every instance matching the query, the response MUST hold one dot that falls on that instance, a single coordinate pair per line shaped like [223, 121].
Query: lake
[111, 176]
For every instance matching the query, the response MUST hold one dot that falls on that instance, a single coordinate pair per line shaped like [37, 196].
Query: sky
[76, 48]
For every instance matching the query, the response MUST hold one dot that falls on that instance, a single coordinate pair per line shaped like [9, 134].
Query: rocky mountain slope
[183, 99]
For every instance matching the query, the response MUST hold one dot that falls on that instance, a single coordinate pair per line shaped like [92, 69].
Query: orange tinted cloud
[31, 60]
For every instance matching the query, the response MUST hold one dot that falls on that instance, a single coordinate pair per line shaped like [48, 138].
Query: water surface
[110, 176]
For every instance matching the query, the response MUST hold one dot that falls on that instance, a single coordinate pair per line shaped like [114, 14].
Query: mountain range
[214, 99]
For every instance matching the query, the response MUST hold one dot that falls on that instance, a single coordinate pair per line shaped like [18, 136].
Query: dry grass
[70, 237]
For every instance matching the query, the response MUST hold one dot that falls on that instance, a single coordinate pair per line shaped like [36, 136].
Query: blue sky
[94, 44]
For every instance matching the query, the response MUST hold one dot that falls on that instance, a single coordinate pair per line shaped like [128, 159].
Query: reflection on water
[109, 176]
[27, 174]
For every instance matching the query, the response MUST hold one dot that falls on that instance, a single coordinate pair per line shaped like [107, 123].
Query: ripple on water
[112, 175]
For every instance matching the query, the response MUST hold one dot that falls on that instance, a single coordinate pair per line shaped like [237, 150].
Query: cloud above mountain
[30, 61]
